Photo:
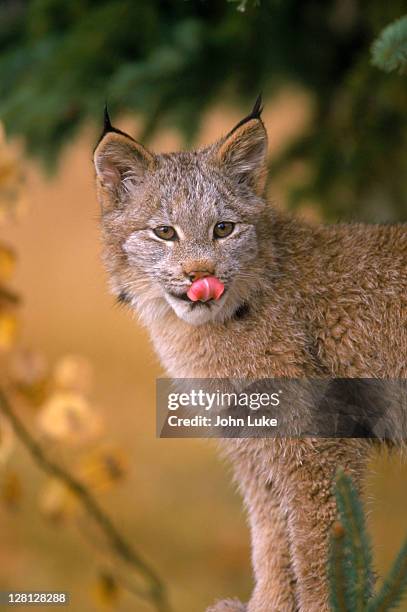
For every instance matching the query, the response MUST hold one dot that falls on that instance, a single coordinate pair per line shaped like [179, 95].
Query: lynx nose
[198, 269]
[193, 276]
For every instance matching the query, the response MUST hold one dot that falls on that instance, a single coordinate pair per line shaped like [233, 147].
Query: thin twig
[156, 591]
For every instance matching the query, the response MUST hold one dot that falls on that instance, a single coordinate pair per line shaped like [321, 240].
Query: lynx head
[169, 219]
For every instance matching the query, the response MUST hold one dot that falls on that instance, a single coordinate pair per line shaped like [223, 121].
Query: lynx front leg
[274, 577]
[275, 587]
[306, 484]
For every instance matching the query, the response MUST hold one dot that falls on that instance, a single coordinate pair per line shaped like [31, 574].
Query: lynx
[283, 299]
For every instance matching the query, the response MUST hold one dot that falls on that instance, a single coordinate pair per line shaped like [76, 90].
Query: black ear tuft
[243, 151]
[108, 127]
[257, 108]
[255, 113]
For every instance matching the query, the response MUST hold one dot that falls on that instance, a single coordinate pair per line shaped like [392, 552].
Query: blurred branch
[155, 593]
[8, 296]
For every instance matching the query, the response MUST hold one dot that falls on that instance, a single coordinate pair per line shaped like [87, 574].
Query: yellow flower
[29, 374]
[7, 263]
[106, 591]
[57, 502]
[103, 468]
[73, 373]
[68, 416]
[6, 440]
[11, 489]
[8, 330]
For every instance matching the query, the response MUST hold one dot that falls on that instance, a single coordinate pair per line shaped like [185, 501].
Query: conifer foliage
[389, 51]
[169, 62]
[350, 565]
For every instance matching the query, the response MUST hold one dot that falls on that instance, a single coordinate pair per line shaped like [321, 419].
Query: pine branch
[155, 593]
[357, 544]
[389, 50]
[337, 575]
[394, 586]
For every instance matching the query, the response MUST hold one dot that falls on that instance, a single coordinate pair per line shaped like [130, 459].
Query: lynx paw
[228, 605]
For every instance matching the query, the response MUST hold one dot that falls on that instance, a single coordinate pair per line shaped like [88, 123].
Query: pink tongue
[206, 288]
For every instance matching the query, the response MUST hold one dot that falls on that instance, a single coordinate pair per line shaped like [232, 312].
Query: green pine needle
[394, 586]
[358, 554]
[337, 574]
[350, 561]
[389, 50]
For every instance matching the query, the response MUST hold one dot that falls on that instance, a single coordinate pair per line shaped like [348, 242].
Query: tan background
[177, 504]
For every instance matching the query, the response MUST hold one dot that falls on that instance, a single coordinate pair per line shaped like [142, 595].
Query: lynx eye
[223, 229]
[165, 232]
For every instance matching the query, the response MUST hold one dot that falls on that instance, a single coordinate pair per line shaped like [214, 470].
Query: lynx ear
[120, 162]
[243, 151]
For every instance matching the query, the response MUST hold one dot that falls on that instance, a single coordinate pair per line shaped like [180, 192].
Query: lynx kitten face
[173, 218]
